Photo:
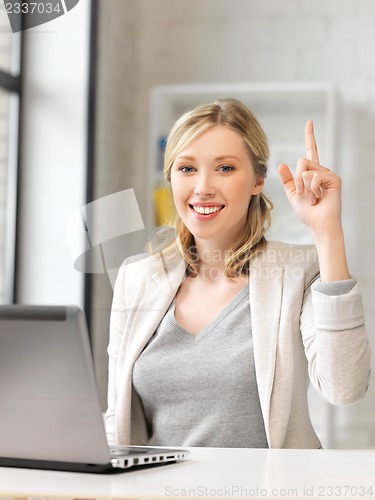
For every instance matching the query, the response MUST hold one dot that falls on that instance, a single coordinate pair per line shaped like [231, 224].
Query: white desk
[214, 473]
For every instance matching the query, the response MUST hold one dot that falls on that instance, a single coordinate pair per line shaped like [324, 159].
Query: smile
[206, 210]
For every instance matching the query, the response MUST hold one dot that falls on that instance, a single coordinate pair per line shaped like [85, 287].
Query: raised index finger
[310, 143]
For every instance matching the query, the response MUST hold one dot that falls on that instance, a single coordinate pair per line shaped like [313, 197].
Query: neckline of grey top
[194, 339]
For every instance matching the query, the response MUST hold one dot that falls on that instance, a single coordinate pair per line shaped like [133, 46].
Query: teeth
[206, 210]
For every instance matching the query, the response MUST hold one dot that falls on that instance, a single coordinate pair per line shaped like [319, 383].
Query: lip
[206, 204]
[205, 217]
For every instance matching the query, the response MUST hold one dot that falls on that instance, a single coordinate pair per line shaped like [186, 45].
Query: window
[10, 89]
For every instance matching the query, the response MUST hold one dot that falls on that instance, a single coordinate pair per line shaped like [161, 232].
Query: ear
[258, 186]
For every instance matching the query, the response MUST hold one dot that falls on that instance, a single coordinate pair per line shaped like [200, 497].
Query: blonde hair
[236, 116]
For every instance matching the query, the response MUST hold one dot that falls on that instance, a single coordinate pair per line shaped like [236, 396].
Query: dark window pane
[8, 166]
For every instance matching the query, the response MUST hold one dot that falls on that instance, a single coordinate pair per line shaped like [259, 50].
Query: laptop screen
[49, 406]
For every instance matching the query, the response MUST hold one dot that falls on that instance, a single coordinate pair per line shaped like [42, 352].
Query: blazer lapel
[149, 306]
[266, 288]
[157, 295]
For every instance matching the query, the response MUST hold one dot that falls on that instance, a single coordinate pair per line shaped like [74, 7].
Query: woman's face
[212, 181]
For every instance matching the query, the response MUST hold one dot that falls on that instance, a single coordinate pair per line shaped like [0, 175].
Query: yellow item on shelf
[164, 207]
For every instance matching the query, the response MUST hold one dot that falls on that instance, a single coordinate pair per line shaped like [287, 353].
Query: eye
[226, 168]
[186, 169]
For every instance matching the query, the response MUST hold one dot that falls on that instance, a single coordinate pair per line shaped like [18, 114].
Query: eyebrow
[218, 158]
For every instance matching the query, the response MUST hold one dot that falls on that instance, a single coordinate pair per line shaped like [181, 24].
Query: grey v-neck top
[201, 390]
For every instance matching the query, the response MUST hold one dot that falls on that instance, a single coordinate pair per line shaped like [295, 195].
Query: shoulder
[137, 269]
[141, 262]
[135, 262]
[296, 260]
[288, 252]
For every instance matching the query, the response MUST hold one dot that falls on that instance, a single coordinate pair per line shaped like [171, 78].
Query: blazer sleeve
[336, 344]
[116, 332]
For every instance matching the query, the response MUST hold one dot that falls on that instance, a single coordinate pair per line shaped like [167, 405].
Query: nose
[204, 184]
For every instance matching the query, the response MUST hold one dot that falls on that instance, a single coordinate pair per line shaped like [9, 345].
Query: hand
[315, 193]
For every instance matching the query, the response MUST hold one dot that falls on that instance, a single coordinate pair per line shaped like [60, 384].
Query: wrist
[329, 233]
[330, 246]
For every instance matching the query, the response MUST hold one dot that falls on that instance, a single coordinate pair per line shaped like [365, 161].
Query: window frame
[12, 84]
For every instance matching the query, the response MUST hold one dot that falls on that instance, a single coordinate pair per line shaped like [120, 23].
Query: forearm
[336, 344]
[330, 246]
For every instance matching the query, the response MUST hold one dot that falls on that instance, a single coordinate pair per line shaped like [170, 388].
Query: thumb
[287, 180]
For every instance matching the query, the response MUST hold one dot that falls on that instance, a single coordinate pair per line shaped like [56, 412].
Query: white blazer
[299, 334]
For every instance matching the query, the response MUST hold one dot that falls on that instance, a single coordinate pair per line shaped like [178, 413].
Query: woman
[214, 337]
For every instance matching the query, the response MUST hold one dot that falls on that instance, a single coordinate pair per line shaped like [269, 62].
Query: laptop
[50, 415]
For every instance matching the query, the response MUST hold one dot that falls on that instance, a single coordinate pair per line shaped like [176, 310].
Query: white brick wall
[254, 41]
